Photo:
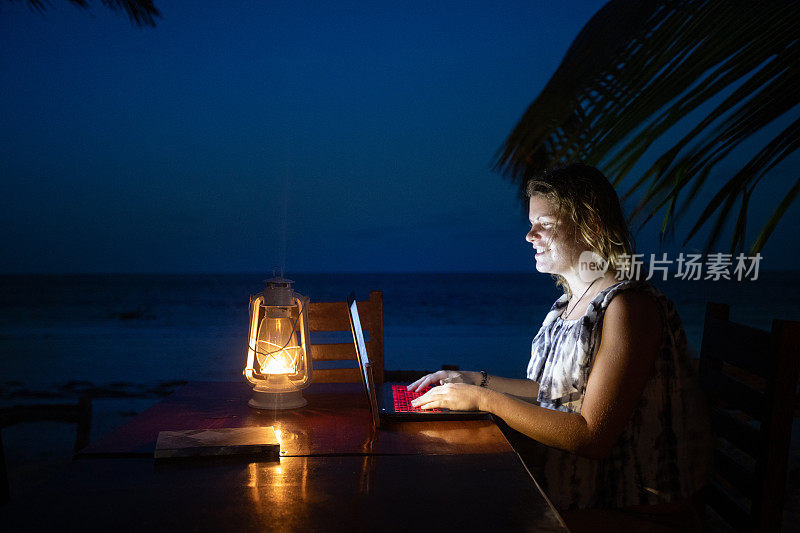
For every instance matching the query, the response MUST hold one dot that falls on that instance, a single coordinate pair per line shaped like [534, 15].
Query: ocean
[145, 329]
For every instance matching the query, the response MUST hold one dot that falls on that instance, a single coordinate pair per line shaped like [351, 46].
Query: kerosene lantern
[278, 358]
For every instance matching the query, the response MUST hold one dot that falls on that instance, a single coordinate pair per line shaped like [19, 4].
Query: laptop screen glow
[363, 358]
[362, 346]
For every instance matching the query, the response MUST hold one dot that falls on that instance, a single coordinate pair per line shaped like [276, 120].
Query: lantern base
[276, 400]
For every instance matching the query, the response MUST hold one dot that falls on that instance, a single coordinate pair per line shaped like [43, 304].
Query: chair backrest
[332, 317]
[750, 379]
[79, 414]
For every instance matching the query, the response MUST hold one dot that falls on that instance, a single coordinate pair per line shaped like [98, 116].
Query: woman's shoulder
[631, 300]
[637, 310]
[639, 302]
[631, 294]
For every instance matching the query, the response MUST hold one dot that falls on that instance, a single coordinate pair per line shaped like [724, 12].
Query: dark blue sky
[354, 137]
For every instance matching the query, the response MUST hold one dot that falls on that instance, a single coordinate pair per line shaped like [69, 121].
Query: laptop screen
[363, 359]
[358, 334]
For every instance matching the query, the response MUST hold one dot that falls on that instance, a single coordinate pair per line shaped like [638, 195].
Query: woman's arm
[526, 389]
[522, 388]
[624, 362]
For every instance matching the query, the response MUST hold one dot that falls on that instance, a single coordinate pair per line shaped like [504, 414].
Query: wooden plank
[336, 375]
[734, 394]
[754, 381]
[726, 507]
[334, 352]
[739, 434]
[333, 316]
[739, 476]
[341, 351]
[258, 443]
[737, 344]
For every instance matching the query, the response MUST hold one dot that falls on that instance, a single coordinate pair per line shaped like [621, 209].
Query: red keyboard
[402, 399]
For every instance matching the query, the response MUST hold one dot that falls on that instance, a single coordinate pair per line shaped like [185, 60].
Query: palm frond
[140, 12]
[636, 71]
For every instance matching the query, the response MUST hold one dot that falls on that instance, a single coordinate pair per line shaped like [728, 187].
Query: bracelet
[484, 378]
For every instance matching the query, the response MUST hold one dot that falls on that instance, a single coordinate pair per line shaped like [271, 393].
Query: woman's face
[556, 249]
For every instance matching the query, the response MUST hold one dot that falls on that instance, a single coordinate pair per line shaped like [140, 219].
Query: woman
[617, 405]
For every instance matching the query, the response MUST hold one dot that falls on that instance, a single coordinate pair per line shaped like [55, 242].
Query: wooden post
[776, 430]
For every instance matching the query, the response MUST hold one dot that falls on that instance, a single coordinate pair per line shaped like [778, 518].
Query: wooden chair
[750, 379]
[79, 414]
[332, 318]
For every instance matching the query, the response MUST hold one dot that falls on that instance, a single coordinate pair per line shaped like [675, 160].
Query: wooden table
[335, 473]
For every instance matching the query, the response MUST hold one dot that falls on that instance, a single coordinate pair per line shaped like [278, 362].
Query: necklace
[579, 300]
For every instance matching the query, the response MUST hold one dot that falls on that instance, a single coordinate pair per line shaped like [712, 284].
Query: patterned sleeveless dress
[662, 453]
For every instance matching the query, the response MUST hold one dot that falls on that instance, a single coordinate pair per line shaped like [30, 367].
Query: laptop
[392, 401]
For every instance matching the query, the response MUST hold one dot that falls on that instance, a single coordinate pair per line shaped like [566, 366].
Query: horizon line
[304, 273]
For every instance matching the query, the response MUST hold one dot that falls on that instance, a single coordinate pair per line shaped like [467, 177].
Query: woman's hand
[454, 396]
[442, 377]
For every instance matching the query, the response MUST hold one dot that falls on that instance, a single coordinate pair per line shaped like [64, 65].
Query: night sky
[237, 136]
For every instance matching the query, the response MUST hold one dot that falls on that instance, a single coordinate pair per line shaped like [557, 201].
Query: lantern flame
[279, 361]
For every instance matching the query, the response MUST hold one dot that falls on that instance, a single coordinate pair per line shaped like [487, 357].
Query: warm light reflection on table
[274, 486]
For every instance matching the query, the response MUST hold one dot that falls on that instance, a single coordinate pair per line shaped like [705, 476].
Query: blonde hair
[586, 201]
